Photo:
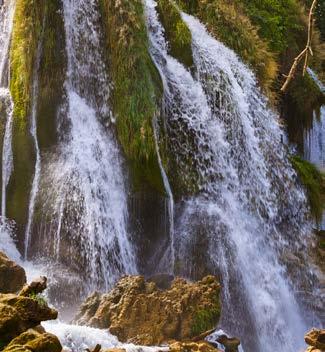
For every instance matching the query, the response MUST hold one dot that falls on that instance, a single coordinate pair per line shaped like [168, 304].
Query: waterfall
[249, 208]
[6, 23]
[86, 178]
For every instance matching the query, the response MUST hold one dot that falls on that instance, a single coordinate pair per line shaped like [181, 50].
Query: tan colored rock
[316, 339]
[115, 350]
[33, 340]
[200, 346]
[18, 314]
[137, 311]
[35, 287]
[12, 276]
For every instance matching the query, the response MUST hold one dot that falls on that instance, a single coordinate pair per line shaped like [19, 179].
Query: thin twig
[305, 53]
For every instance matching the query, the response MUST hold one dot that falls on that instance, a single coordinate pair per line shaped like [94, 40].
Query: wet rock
[12, 276]
[36, 287]
[231, 344]
[316, 339]
[19, 313]
[201, 346]
[138, 311]
[33, 340]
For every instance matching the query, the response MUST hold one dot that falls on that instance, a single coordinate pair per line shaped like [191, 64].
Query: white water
[87, 180]
[6, 23]
[37, 172]
[249, 207]
[77, 338]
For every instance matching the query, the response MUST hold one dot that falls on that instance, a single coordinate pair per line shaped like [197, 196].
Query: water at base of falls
[250, 210]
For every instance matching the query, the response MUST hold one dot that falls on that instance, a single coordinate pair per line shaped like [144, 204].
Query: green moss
[227, 21]
[39, 299]
[51, 74]
[314, 183]
[176, 31]
[27, 29]
[34, 22]
[137, 87]
[205, 319]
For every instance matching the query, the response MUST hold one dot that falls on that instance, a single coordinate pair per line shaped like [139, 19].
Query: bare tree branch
[305, 53]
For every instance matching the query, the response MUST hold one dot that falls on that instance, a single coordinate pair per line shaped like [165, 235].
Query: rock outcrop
[12, 276]
[20, 316]
[137, 311]
[316, 340]
[201, 346]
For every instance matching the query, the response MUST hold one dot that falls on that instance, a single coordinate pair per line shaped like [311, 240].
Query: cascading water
[248, 208]
[6, 23]
[87, 184]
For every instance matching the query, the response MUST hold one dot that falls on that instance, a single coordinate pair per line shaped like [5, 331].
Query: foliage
[39, 299]
[314, 183]
[176, 31]
[205, 319]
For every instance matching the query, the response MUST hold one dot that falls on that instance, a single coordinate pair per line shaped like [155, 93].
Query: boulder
[316, 339]
[200, 346]
[19, 313]
[12, 276]
[139, 312]
[33, 340]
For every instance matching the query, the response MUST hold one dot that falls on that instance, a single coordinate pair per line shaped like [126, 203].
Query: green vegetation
[176, 31]
[137, 87]
[205, 320]
[39, 299]
[314, 183]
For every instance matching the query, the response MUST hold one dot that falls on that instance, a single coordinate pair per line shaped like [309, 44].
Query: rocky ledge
[20, 318]
[316, 340]
[138, 311]
[12, 276]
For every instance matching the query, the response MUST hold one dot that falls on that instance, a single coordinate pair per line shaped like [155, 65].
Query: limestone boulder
[138, 311]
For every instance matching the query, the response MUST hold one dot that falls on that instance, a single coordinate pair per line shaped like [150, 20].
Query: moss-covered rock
[314, 183]
[38, 25]
[137, 311]
[177, 33]
[137, 87]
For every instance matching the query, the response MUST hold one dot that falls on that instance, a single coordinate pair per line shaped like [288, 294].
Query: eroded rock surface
[137, 311]
[12, 276]
[315, 338]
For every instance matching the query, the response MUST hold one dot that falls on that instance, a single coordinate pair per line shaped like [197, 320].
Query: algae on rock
[177, 33]
[137, 87]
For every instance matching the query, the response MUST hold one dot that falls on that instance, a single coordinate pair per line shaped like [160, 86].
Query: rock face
[316, 340]
[137, 311]
[20, 316]
[201, 346]
[12, 276]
